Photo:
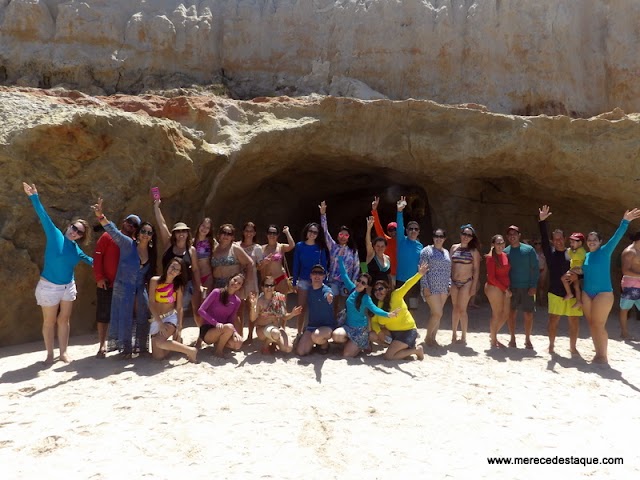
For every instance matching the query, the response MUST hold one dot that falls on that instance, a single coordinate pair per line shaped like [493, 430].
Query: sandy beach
[322, 417]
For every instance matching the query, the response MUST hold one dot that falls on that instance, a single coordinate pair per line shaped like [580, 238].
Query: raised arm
[163, 231]
[543, 214]
[629, 216]
[400, 234]
[291, 242]
[367, 239]
[325, 227]
[45, 220]
[369, 305]
[376, 219]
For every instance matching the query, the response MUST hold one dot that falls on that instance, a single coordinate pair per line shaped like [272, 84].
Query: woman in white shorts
[56, 289]
[165, 303]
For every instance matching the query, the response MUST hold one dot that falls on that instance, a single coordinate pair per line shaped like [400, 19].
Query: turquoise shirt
[525, 269]
[357, 318]
[408, 252]
[597, 265]
[61, 255]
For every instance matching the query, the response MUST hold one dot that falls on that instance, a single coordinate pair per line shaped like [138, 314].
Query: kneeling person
[321, 319]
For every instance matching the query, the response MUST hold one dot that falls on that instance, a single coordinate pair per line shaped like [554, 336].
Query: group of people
[231, 283]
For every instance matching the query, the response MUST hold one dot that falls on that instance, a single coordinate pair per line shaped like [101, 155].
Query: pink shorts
[50, 294]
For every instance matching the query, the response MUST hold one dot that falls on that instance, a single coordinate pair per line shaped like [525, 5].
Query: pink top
[213, 311]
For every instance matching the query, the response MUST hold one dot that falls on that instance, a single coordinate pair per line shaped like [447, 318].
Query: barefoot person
[165, 304]
[178, 243]
[105, 267]
[268, 313]
[56, 289]
[409, 249]
[274, 261]
[630, 286]
[465, 273]
[597, 294]
[390, 236]
[219, 314]
[355, 332]
[402, 328]
[523, 275]
[378, 262]
[322, 322]
[254, 251]
[497, 288]
[136, 266]
[558, 263]
[436, 283]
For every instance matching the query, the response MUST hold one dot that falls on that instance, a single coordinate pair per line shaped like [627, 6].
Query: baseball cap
[318, 268]
[513, 227]
[135, 219]
[577, 236]
[392, 225]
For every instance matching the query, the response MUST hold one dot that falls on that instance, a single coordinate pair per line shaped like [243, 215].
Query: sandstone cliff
[519, 56]
[273, 160]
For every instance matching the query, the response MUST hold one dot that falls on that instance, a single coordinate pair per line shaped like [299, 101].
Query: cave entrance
[291, 197]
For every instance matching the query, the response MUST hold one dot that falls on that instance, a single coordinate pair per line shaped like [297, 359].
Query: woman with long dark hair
[56, 290]
[135, 268]
[465, 270]
[311, 250]
[219, 314]
[355, 331]
[497, 288]
[165, 303]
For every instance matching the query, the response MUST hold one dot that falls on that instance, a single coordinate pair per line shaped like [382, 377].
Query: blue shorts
[338, 289]
[408, 337]
[186, 295]
[303, 284]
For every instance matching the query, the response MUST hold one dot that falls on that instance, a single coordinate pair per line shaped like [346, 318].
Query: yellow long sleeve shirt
[404, 321]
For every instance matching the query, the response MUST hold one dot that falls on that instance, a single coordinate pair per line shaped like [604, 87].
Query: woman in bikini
[253, 250]
[273, 261]
[227, 260]
[204, 245]
[597, 293]
[465, 269]
[135, 269]
[379, 267]
[436, 283]
[165, 303]
[269, 314]
[497, 288]
[219, 313]
[179, 243]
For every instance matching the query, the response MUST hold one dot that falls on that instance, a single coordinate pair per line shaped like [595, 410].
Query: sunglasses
[131, 222]
[226, 232]
[439, 236]
[344, 235]
[391, 229]
[272, 233]
[146, 232]
[181, 231]
[77, 230]
[465, 234]
[317, 273]
[363, 283]
[269, 285]
[380, 289]
[413, 229]
[314, 232]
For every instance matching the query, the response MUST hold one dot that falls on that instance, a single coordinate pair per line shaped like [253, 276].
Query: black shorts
[103, 304]
[204, 328]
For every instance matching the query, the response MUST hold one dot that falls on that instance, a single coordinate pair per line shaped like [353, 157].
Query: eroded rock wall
[274, 159]
[520, 56]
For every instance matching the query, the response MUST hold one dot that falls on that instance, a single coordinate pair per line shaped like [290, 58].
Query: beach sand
[323, 417]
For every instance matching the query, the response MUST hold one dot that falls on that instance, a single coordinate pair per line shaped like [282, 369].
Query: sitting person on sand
[402, 328]
[321, 319]
[219, 313]
[355, 331]
[268, 312]
[165, 303]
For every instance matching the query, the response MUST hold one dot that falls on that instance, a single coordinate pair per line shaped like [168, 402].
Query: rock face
[273, 160]
[522, 57]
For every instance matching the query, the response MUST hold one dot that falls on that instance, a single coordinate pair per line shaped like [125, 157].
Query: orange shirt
[392, 244]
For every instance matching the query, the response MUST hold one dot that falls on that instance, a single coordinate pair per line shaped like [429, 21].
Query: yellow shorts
[562, 307]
